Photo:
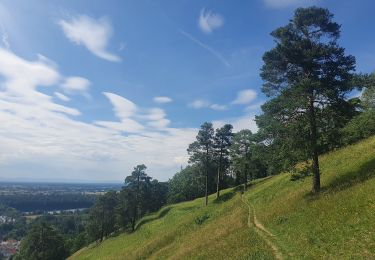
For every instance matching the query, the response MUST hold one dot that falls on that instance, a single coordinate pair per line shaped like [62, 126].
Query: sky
[89, 89]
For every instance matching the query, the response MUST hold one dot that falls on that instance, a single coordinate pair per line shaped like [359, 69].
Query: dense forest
[47, 202]
[310, 81]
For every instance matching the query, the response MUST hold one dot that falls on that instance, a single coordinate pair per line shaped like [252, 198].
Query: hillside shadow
[365, 171]
[348, 179]
[161, 214]
[225, 197]
[187, 208]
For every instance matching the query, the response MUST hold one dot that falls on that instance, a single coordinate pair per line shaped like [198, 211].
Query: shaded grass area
[338, 223]
[153, 217]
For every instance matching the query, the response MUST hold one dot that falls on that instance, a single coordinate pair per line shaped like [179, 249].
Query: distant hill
[285, 222]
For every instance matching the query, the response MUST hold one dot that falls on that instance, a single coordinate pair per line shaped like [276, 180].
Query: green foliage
[360, 127]
[367, 82]
[222, 142]
[42, 242]
[186, 185]
[102, 217]
[202, 152]
[201, 219]
[246, 157]
[15, 227]
[300, 171]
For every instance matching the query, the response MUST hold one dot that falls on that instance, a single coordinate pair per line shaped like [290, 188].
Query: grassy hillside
[285, 220]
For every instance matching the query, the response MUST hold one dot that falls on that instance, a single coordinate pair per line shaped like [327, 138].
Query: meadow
[285, 219]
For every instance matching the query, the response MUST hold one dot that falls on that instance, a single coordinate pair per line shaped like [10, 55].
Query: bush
[201, 219]
[300, 171]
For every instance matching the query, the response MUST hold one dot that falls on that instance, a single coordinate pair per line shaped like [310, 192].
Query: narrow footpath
[265, 234]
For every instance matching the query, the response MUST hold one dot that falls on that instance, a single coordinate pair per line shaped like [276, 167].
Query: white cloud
[72, 85]
[209, 21]
[160, 123]
[61, 96]
[245, 97]
[218, 107]
[126, 125]
[132, 118]
[123, 108]
[40, 139]
[199, 103]
[155, 114]
[91, 33]
[162, 100]
[285, 3]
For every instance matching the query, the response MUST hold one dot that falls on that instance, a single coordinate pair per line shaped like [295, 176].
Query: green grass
[339, 223]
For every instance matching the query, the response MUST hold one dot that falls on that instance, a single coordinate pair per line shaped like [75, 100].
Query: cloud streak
[206, 47]
[162, 100]
[278, 4]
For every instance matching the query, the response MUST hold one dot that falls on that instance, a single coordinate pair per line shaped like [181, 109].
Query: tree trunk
[218, 183]
[218, 179]
[245, 182]
[133, 223]
[206, 186]
[314, 148]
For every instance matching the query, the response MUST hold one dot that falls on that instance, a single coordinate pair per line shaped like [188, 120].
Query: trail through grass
[261, 230]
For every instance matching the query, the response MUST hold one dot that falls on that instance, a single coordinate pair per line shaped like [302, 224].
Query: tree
[102, 219]
[222, 142]
[201, 151]
[126, 209]
[240, 152]
[41, 243]
[138, 183]
[186, 185]
[368, 93]
[309, 71]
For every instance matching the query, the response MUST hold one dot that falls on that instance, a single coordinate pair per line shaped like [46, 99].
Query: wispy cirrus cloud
[162, 100]
[202, 103]
[209, 21]
[211, 50]
[92, 33]
[277, 4]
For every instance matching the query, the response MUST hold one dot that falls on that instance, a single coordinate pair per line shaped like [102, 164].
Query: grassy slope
[339, 223]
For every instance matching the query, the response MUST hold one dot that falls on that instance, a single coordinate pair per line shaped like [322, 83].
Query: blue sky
[89, 89]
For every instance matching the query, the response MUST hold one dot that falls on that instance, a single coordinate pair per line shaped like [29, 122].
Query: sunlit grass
[339, 223]
[222, 233]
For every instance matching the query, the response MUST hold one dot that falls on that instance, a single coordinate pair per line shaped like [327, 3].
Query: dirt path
[267, 236]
